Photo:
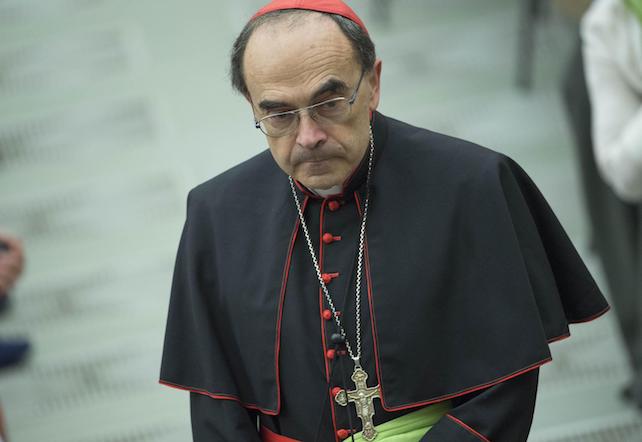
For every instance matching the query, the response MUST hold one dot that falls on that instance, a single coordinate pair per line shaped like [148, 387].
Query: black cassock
[468, 277]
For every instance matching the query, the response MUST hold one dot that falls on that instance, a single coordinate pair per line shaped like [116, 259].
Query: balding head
[360, 41]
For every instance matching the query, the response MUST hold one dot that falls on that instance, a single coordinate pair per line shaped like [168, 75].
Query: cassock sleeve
[216, 420]
[501, 413]
[194, 331]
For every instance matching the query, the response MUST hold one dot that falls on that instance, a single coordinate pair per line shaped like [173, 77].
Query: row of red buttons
[327, 315]
[342, 433]
[329, 238]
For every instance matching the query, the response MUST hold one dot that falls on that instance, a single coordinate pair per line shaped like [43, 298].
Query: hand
[11, 263]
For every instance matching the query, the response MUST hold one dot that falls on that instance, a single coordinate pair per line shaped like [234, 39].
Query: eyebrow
[332, 85]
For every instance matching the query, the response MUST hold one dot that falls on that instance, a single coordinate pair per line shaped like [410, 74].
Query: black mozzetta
[464, 259]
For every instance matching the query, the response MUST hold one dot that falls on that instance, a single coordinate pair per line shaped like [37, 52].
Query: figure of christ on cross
[363, 398]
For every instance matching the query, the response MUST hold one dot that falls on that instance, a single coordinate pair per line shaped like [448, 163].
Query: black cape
[469, 276]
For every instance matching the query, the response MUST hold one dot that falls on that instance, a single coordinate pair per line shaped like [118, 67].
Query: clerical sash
[636, 7]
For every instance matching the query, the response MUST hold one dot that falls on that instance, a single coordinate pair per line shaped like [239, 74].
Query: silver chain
[362, 235]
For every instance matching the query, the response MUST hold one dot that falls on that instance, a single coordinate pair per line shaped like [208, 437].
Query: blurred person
[363, 278]
[12, 351]
[612, 51]
[11, 263]
[3, 431]
[612, 37]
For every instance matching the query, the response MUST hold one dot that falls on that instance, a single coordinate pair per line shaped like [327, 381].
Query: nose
[310, 134]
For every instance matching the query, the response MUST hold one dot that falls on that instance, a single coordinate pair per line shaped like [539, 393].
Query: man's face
[287, 67]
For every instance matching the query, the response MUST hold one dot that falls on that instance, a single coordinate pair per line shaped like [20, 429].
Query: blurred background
[111, 110]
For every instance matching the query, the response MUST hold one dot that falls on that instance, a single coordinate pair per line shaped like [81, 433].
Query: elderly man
[368, 279]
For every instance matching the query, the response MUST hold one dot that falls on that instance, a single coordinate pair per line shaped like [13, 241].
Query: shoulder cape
[466, 262]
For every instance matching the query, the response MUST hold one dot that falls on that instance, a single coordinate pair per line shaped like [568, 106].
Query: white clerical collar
[334, 190]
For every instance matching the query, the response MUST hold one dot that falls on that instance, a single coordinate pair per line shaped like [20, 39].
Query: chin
[320, 182]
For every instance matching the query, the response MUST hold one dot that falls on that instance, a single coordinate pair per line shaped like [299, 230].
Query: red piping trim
[459, 393]
[445, 397]
[277, 346]
[471, 430]
[469, 390]
[223, 396]
[325, 359]
[590, 318]
[305, 190]
[284, 281]
[578, 321]
[559, 338]
[375, 341]
[327, 371]
[371, 306]
[440, 398]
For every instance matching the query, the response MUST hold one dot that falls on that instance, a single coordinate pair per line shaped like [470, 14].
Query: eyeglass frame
[297, 112]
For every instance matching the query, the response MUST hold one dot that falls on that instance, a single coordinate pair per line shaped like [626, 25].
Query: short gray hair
[361, 43]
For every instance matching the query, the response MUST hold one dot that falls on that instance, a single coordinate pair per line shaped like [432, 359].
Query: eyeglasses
[332, 111]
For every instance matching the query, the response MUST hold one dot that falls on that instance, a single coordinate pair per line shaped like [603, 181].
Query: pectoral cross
[363, 398]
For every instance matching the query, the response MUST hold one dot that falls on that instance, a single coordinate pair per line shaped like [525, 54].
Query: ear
[374, 80]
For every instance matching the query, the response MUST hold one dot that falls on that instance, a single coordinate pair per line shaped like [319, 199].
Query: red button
[336, 390]
[328, 277]
[328, 238]
[330, 354]
[333, 205]
[343, 434]
[327, 314]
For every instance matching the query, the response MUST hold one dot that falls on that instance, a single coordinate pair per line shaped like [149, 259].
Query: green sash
[636, 7]
[410, 427]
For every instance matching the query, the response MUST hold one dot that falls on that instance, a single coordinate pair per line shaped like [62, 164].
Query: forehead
[290, 57]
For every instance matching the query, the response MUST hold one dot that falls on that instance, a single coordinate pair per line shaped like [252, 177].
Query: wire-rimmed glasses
[332, 111]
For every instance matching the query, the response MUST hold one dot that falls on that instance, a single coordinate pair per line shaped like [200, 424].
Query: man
[368, 279]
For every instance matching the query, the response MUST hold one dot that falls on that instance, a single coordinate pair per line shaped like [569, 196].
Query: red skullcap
[327, 6]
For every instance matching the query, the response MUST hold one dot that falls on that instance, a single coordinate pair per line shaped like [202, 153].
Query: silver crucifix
[363, 398]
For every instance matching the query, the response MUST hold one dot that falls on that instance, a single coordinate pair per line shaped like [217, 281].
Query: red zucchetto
[328, 6]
